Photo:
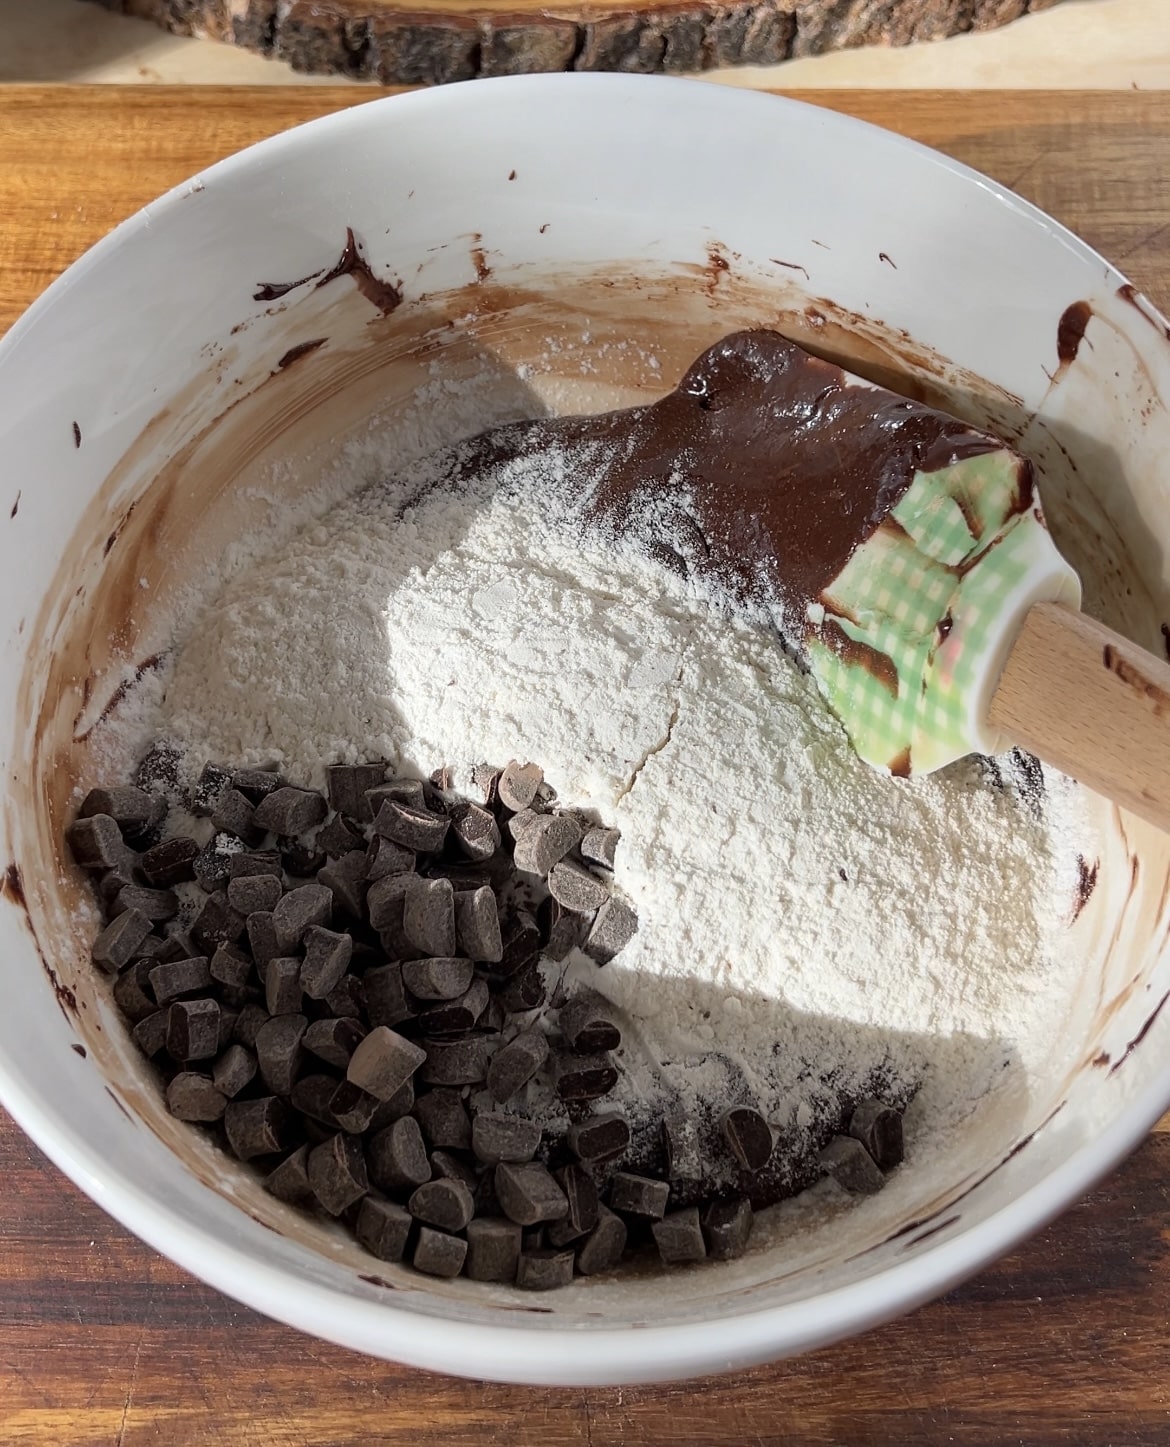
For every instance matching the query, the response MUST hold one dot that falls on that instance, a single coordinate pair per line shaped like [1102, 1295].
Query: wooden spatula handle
[1092, 704]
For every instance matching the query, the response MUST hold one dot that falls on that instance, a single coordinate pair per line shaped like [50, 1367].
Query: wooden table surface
[104, 1342]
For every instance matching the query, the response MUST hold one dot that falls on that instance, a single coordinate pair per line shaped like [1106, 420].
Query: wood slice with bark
[449, 40]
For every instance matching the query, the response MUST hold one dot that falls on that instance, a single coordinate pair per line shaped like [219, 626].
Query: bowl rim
[554, 1355]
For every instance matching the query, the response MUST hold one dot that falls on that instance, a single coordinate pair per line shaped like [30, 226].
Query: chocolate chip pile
[349, 990]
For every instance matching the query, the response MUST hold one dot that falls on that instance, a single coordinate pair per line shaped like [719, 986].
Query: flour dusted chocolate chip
[545, 842]
[384, 857]
[518, 823]
[386, 1002]
[454, 1017]
[383, 1061]
[443, 1117]
[437, 1254]
[493, 1248]
[258, 1127]
[517, 783]
[96, 843]
[340, 837]
[679, 1237]
[584, 1207]
[496, 1138]
[288, 811]
[727, 1226]
[352, 1108]
[477, 925]
[599, 846]
[150, 1034]
[528, 1194]
[179, 978]
[298, 911]
[212, 865]
[234, 1069]
[132, 992]
[599, 1137]
[614, 926]
[337, 1173]
[254, 893]
[514, 1064]
[170, 861]
[256, 784]
[135, 811]
[544, 1269]
[437, 978]
[682, 1147]
[347, 785]
[193, 1030]
[447, 1204]
[428, 916]
[749, 1135]
[638, 1195]
[383, 1228]
[289, 1181]
[397, 1158]
[282, 985]
[474, 830]
[208, 787]
[577, 889]
[334, 1041]
[456, 1062]
[327, 957]
[345, 879]
[259, 861]
[523, 992]
[583, 1077]
[879, 1129]
[412, 828]
[586, 1024]
[234, 813]
[603, 1248]
[848, 1162]
[193, 1097]
[280, 1051]
[120, 941]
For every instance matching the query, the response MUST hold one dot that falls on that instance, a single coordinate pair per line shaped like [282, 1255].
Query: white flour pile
[808, 929]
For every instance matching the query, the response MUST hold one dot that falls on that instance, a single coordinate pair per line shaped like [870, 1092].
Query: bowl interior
[172, 394]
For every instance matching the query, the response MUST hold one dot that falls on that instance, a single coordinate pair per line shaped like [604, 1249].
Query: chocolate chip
[583, 1077]
[545, 842]
[544, 1270]
[212, 865]
[428, 916]
[227, 1026]
[280, 1051]
[118, 943]
[496, 1138]
[581, 1193]
[311, 1095]
[382, 1228]
[514, 1065]
[455, 1062]
[208, 787]
[115, 880]
[158, 905]
[397, 1157]
[337, 1173]
[134, 811]
[443, 1117]
[600, 845]
[486, 778]
[345, 878]
[256, 784]
[178, 978]
[298, 911]
[386, 1112]
[258, 1127]
[447, 1166]
[347, 785]
[454, 1017]
[727, 1226]
[679, 1237]
[193, 1030]
[97, 842]
[438, 978]
[614, 927]
[132, 992]
[150, 1033]
[348, 998]
[282, 985]
[262, 941]
[288, 811]
[587, 1027]
[340, 837]
[493, 1249]
[518, 823]
[290, 1180]
[234, 1069]
[234, 813]
[474, 830]
[352, 1108]
[327, 957]
[848, 1162]
[528, 1194]
[248, 1024]
[517, 783]
[560, 929]
[259, 861]
[438, 1254]
[603, 1247]
[254, 893]
[386, 1002]
[879, 1129]
[411, 792]
[521, 944]
[334, 1041]
[749, 1135]
[383, 1062]
[416, 829]
[576, 888]
[217, 921]
[525, 991]
[638, 1195]
[449, 1205]
[384, 857]
[171, 861]
[193, 1097]
[600, 1137]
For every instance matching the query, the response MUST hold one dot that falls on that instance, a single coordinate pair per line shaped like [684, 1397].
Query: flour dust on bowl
[232, 442]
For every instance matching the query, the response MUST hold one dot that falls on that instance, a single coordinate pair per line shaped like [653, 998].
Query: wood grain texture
[103, 1342]
[433, 41]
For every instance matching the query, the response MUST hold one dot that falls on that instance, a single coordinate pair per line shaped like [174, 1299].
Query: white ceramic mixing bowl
[561, 240]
